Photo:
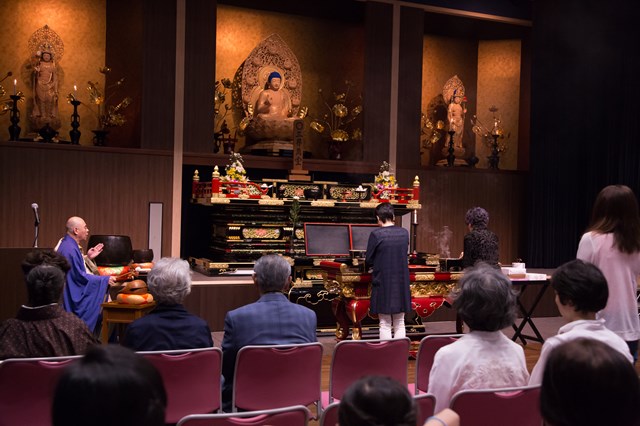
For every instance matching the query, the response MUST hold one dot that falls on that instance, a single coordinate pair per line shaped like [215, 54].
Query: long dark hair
[616, 211]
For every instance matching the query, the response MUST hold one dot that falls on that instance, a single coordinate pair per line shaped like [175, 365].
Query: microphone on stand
[34, 206]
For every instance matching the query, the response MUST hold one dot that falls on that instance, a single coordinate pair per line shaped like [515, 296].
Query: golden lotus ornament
[339, 110]
[339, 135]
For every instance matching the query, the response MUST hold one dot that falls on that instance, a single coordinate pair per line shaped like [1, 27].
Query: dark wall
[584, 118]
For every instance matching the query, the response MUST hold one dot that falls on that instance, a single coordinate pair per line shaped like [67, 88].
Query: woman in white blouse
[612, 243]
[484, 358]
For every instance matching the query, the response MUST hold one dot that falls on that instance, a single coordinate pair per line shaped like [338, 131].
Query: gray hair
[272, 273]
[169, 280]
[485, 299]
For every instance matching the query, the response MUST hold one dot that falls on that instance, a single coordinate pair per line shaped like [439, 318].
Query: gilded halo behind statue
[271, 93]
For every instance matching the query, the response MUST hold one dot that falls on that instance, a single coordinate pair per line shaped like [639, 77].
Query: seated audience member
[42, 328]
[581, 291]
[588, 383]
[110, 386]
[377, 400]
[168, 326]
[272, 320]
[484, 358]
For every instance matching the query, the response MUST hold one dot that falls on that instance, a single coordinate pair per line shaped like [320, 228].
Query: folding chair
[287, 416]
[498, 407]
[425, 403]
[353, 359]
[27, 386]
[191, 379]
[429, 345]
[271, 376]
[330, 415]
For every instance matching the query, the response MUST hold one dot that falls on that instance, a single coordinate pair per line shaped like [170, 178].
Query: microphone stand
[35, 240]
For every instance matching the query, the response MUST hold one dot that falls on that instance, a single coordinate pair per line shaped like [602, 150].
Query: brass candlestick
[494, 158]
[74, 133]
[14, 129]
[451, 158]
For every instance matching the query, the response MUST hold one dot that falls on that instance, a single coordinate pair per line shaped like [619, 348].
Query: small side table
[120, 313]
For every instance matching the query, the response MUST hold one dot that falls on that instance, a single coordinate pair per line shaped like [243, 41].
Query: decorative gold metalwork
[323, 203]
[300, 233]
[271, 202]
[46, 40]
[431, 289]
[219, 199]
[262, 233]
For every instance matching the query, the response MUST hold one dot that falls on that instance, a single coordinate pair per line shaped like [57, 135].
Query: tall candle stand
[74, 133]
[451, 158]
[14, 129]
[494, 158]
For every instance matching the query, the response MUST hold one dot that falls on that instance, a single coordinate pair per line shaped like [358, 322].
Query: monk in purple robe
[84, 292]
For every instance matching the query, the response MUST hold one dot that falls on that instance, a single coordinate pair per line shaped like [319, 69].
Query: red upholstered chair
[191, 379]
[330, 414]
[273, 376]
[425, 403]
[429, 345]
[286, 416]
[353, 359]
[498, 407]
[27, 386]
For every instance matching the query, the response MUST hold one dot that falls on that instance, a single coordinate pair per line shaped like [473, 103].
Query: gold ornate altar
[429, 290]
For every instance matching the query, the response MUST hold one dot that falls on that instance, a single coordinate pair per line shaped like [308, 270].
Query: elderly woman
[169, 325]
[484, 358]
[480, 244]
[42, 328]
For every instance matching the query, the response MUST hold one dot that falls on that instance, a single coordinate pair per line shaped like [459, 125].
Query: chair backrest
[330, 414]
[426, 404]
[429, 345]
[353, 359]
[191, 379]
[498, 407]
[27, 386]
[271, 376]
[287, 416]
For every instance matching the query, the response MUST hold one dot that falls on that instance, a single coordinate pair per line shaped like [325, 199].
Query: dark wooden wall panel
[377, 75]
[200, 71]
[447, 194]
[110, 188]
[212, 302]
[159, 74]
[410, 87]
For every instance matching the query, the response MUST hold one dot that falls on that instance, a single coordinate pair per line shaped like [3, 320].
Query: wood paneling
[110, 188]
[410, 87]
[212, 302]
[377, 75]
[446, 195]
[200, 69]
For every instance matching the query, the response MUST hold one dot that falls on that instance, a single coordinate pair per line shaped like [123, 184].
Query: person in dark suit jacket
[168, 326]
[272, 320]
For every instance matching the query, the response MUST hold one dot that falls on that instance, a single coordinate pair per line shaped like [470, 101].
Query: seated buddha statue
[272, 116]
[271, 90]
